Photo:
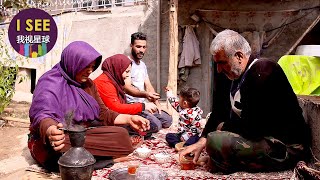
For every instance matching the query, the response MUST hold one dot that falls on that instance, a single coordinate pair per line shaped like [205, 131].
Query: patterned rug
[172, 168]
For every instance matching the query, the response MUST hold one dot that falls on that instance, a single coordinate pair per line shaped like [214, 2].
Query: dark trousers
[163, 120]
[174, 138]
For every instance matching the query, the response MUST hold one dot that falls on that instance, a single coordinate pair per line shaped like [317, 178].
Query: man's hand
[56, 137]
[152, 96]
[194, 149]
[139, 123]
[151, 107]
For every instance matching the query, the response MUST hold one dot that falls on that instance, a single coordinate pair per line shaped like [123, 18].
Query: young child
[189, 129]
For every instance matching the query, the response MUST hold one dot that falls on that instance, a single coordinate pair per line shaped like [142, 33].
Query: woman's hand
[139, 123]
[194, 149]
[151, 107]
[56, 137]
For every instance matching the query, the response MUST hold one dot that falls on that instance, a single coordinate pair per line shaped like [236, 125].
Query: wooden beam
[173, 50]
[174, 46]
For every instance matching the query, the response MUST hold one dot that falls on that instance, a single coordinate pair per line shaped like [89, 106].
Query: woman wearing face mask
[67, 88]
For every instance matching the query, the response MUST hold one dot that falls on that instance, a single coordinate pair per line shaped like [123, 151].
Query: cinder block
[311, 112]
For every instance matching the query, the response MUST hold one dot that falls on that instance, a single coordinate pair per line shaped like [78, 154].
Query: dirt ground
[11, 138]
[15, 157]
[13, 133]
[14, 153]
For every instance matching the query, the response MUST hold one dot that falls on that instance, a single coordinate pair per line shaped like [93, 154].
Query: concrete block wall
[311, 112]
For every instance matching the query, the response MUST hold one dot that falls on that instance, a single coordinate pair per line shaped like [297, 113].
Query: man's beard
[234, 73]
[135, 55]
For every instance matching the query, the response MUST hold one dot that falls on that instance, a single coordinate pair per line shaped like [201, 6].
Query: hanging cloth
[190, 55]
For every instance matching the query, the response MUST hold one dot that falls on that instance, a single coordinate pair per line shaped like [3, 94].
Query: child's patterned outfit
[189, 128]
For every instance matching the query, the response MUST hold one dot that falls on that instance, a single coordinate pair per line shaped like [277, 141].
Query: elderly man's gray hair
[231, 42]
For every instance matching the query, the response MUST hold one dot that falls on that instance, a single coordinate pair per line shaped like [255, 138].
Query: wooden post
[174, 45]
[173, 49]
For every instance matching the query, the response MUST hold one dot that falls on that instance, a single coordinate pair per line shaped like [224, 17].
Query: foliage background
[8, 73]
[8, 63]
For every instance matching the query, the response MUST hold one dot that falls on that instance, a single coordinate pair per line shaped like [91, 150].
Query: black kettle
[77, 163]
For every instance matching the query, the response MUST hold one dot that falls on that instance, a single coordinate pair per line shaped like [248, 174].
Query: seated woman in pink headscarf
[67, 88]
[110, 87]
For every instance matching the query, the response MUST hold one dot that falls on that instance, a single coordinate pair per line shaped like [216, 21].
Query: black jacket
[269, 107]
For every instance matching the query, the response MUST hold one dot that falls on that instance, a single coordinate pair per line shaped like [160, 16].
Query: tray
[122, 174]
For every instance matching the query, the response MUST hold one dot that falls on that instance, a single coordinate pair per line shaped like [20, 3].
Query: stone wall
[311, 112]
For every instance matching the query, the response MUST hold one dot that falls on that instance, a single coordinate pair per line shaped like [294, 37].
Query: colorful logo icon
[32, 32]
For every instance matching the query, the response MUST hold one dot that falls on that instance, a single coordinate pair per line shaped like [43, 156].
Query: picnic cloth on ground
[303, 171]
[172, 168]
[303, 73]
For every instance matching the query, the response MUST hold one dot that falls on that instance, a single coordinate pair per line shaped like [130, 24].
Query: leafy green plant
[8, 73]
[11, 4]
[19, 4]
[7, 81]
